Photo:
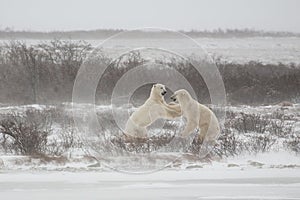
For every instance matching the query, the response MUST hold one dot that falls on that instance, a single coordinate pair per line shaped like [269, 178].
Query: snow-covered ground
[208, 183]
[271, 175]
[239, 50]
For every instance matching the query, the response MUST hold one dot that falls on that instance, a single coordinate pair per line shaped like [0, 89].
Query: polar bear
[197, 116]
[154, 108]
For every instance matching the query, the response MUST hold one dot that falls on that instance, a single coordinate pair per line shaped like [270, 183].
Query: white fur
[198, 116]
[154, 108]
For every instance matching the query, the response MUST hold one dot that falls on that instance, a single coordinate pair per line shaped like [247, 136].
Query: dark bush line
[41, 73]
[9, 33]
[45, 73]
[250, 83]
[257, 83]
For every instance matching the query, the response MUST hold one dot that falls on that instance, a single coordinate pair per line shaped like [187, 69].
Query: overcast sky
[47, 15]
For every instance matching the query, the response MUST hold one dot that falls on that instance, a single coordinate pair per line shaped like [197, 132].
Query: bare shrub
[66, 137]
[281, 128]
[228, 144]
[276, 123]
[259, 143]
[64, 141]
[251, 133]
[164, 141]
[29, 132]
[293, 143]
[142, 145]
[49, 69]
[250, 123]
[54, 148]
[6, 143]
[133, 59]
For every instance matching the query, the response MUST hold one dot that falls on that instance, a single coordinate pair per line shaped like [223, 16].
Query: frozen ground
[266, 176]
[188, 184]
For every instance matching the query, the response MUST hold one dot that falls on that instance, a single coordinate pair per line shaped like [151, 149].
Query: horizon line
[224, 30]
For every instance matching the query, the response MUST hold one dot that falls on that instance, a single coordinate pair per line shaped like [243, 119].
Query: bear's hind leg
[203, 133]
[189, 128]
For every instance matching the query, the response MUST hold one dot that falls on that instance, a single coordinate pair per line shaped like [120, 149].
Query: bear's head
[181, 96]
[158, 90]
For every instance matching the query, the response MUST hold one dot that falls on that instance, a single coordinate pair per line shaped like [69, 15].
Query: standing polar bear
[154, 108]
[198, 116]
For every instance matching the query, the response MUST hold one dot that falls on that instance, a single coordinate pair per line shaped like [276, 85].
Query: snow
[216, 180]
[23, 108]
[270, 175]
[267, 50]
[187, 184]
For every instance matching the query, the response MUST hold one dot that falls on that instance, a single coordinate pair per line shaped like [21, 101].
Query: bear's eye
[161, 88]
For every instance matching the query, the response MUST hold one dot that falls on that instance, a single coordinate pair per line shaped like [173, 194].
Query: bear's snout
[164, 92]
[173, 98]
